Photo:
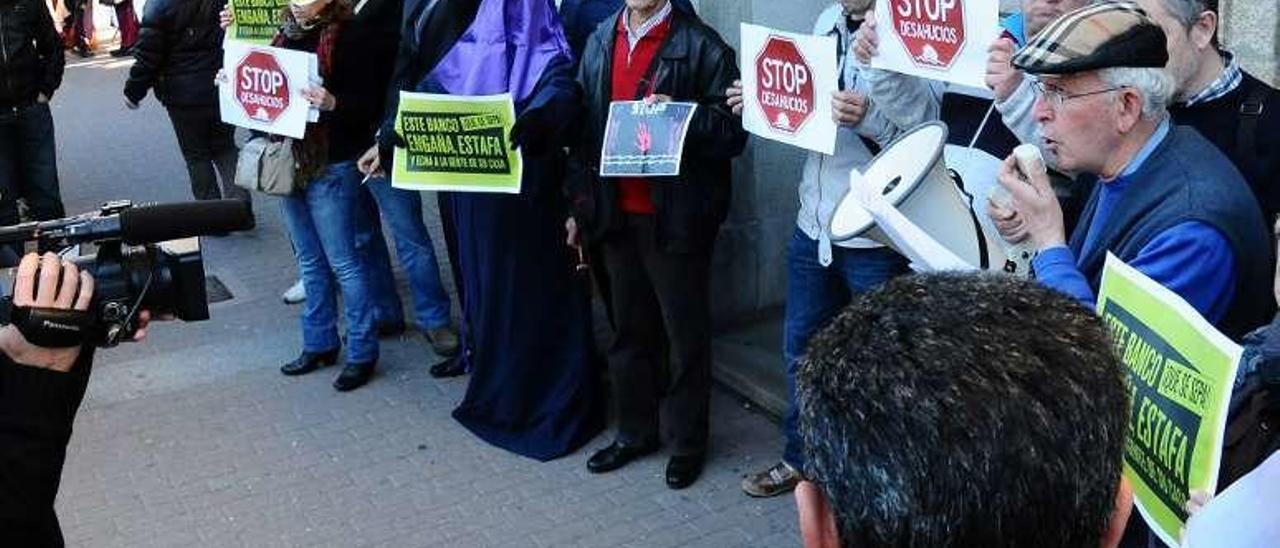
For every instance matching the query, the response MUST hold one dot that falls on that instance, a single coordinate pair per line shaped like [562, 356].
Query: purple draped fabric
[506, 49]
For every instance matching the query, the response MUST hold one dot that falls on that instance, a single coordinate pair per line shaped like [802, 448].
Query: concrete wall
[749, 267]
[1251, 28]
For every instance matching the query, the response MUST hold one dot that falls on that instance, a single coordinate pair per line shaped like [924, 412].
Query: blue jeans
[322, 221]
[815, 294]
[402, 209]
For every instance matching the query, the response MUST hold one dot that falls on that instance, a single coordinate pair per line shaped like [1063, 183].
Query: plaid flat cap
[1097, 36]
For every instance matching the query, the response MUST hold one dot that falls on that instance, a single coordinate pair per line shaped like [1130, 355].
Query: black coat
[1255, 153]
[37, 407]
[178, 52]
[363, 60]
[31, 59]
[695, 65]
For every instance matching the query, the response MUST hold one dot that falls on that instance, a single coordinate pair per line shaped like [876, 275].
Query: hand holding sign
[848, 108]
[733, 97]
[868, 41]
[1002, 78]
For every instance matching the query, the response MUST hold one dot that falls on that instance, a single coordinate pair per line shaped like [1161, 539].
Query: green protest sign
[256, 21]
[1180, 374]
[456, 143]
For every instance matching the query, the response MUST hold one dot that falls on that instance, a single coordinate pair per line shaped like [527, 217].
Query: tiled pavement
[194, 439]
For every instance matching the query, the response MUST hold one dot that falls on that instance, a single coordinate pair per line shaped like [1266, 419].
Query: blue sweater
[1179, 214]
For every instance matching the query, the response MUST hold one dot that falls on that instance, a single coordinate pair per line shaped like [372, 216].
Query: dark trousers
[28, 168]
[207, 145]
[661, 302]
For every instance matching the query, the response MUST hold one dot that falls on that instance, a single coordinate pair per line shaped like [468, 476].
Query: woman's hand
[320, 98]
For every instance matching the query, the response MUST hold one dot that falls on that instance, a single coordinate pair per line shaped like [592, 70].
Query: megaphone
[912, 175]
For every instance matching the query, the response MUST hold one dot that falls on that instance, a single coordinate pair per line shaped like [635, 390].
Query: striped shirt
[634, 35]
[1227, 82]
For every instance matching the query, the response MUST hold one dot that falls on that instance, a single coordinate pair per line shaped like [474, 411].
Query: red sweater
[628, 73]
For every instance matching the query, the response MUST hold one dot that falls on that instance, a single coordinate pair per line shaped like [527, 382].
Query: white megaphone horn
[911, 175]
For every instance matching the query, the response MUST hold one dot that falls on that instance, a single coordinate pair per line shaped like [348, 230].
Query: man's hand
[1037, 208]
[1008, 224]
[370, 163]
[61, 286]
[130, 104]
[1002, 77]
[868, 43]
[573, 238]
[848, 108]
[320, 98]
[657, 98]
[734, 97]
[42, 98]
[226, 17]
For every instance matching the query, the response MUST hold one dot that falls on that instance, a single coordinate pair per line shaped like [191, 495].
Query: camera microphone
[158, 223]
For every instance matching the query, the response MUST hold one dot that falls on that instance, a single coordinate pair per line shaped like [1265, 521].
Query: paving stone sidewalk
[195, 439]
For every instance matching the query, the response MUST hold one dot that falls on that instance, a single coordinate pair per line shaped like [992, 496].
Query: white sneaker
[295, 294]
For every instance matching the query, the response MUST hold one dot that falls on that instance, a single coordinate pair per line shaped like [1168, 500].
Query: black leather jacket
[178, 52]
[31, 59]
[695, 65]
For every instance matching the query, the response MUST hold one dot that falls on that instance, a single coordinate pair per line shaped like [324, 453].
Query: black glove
[531, 134]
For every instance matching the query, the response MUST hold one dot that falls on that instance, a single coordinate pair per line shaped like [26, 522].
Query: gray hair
[1153, 84]
[1188, 11]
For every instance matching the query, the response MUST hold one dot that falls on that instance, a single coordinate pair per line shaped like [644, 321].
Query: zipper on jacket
[4, 53]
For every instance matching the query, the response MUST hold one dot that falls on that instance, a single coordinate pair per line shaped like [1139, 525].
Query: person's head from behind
[962, 410]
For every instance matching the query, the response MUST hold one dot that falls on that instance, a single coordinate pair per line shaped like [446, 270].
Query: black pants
[206, 145]
[28, 167]
[660, 301]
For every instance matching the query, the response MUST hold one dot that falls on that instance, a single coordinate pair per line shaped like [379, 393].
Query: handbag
[267, 165]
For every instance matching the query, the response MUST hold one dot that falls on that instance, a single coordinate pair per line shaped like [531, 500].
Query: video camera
[147, 258]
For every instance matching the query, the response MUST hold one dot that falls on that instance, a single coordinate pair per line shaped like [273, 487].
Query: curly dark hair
[964, 410]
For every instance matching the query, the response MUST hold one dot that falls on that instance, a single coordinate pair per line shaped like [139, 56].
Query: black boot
[452, 367]
[310, 361]
[353, 376]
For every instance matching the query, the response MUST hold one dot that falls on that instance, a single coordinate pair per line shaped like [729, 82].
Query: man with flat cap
[1168, 202]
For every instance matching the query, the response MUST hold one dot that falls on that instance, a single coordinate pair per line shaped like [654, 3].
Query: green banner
[256, 21]
[1180, 375]
[457, 144]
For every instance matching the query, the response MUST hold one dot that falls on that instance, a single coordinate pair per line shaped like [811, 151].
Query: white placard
[787, 82]
[937, 39]
[263, 88]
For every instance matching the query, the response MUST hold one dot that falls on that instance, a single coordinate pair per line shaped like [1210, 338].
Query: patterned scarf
[312, 152]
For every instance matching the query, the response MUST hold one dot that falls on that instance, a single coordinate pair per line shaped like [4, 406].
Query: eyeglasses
[1057, 97]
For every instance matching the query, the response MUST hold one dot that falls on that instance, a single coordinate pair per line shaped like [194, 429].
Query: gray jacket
[826, 178]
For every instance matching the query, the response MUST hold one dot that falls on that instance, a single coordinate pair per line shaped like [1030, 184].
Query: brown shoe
[444, 340]
[778, 479]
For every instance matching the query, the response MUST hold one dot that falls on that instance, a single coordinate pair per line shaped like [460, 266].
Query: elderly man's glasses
[1057, 97]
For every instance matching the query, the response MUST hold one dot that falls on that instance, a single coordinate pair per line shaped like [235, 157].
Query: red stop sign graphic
[262, 88]
[931, 30]
[784, 85]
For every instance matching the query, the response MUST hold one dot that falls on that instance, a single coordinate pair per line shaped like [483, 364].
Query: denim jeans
[402, 210]
[321, 222]
[815, 294]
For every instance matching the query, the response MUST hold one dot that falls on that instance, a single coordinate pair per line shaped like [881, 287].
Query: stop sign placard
[932, 31]
[261, 87]
[784, 85]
